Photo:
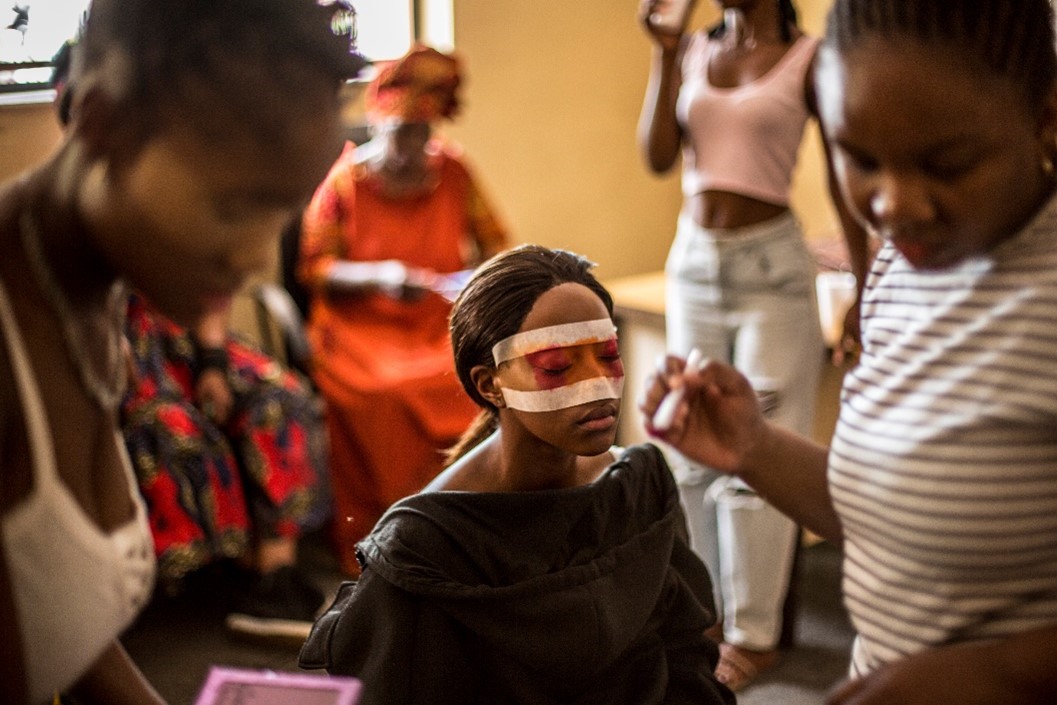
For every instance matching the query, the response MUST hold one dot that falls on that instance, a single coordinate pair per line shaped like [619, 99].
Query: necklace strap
[106, 392]
[36, 418]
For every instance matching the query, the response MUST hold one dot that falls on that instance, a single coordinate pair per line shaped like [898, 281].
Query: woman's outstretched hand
[716, 419]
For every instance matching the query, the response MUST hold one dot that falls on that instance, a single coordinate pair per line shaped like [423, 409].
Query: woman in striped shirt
[940, 483]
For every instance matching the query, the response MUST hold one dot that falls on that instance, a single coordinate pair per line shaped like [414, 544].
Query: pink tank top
[743, 139]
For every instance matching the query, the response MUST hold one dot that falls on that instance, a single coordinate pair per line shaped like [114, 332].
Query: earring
[1049, 156]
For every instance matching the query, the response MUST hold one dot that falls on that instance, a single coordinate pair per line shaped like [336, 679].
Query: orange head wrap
[419, 87]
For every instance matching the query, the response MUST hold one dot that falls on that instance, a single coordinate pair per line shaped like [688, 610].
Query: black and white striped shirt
[943, 466]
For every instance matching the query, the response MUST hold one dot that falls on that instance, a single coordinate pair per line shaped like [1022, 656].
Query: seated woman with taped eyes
[543, 565]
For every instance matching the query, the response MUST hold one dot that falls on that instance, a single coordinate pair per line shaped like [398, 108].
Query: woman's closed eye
[950, 167]
[550, 362]
[609, 351]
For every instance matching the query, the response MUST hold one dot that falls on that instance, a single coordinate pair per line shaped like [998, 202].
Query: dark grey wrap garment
[582, 595]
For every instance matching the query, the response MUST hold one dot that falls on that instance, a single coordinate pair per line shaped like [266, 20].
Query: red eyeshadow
[552, 359]
[545, 364]
[549, 380]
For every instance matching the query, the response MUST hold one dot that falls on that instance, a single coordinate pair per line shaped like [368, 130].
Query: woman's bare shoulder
[467, 474]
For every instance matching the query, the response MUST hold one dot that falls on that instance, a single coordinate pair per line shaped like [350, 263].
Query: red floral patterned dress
[209, 490]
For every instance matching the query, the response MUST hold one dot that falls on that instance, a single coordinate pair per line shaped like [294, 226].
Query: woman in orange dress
[385, 239]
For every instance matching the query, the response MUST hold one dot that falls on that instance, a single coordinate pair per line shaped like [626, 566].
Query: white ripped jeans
[747, 297]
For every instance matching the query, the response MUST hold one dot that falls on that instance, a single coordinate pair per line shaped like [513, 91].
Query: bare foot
[715, 632]
[739, 666]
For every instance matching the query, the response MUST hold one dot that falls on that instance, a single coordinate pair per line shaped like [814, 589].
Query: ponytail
[483, 426]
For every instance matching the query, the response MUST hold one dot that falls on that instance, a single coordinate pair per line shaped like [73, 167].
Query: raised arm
[659, 134]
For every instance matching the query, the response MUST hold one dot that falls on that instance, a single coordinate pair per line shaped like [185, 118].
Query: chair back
[281, 325]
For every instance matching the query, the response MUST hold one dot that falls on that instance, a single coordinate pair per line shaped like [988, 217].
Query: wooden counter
[639, 312]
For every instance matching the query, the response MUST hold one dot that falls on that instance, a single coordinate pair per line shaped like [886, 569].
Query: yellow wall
[28, 133]
[552, 98]
[551, 101]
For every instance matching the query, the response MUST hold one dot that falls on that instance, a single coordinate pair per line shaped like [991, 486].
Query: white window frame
[429, 21]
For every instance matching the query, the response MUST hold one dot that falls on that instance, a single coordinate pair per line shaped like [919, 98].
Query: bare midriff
[723, 209]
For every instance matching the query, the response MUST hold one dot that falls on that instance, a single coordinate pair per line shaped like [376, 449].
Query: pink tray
[237, 686]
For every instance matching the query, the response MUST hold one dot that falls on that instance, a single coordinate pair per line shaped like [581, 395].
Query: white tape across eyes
[594, 389]
[562, 336]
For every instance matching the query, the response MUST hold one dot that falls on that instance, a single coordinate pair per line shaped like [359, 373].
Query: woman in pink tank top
[733, 100]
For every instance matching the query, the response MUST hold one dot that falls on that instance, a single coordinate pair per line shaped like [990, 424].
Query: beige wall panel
[552, 99]
[551, 102]
[28, 134]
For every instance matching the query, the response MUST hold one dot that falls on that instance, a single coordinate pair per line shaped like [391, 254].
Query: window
[32, 31]
[384, 27]
[436, 24]
[387, 27]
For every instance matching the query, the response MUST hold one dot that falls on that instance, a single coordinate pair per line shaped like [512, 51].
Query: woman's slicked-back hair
[499, 297]
[494, 305]
[1013, 39]
[250, 58]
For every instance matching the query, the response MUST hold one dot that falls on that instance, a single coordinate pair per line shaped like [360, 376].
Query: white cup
[836, 293]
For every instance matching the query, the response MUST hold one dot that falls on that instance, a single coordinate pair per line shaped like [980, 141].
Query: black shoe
[279, 606]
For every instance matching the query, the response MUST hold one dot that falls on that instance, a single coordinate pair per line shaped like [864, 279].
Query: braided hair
[1013, 39]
